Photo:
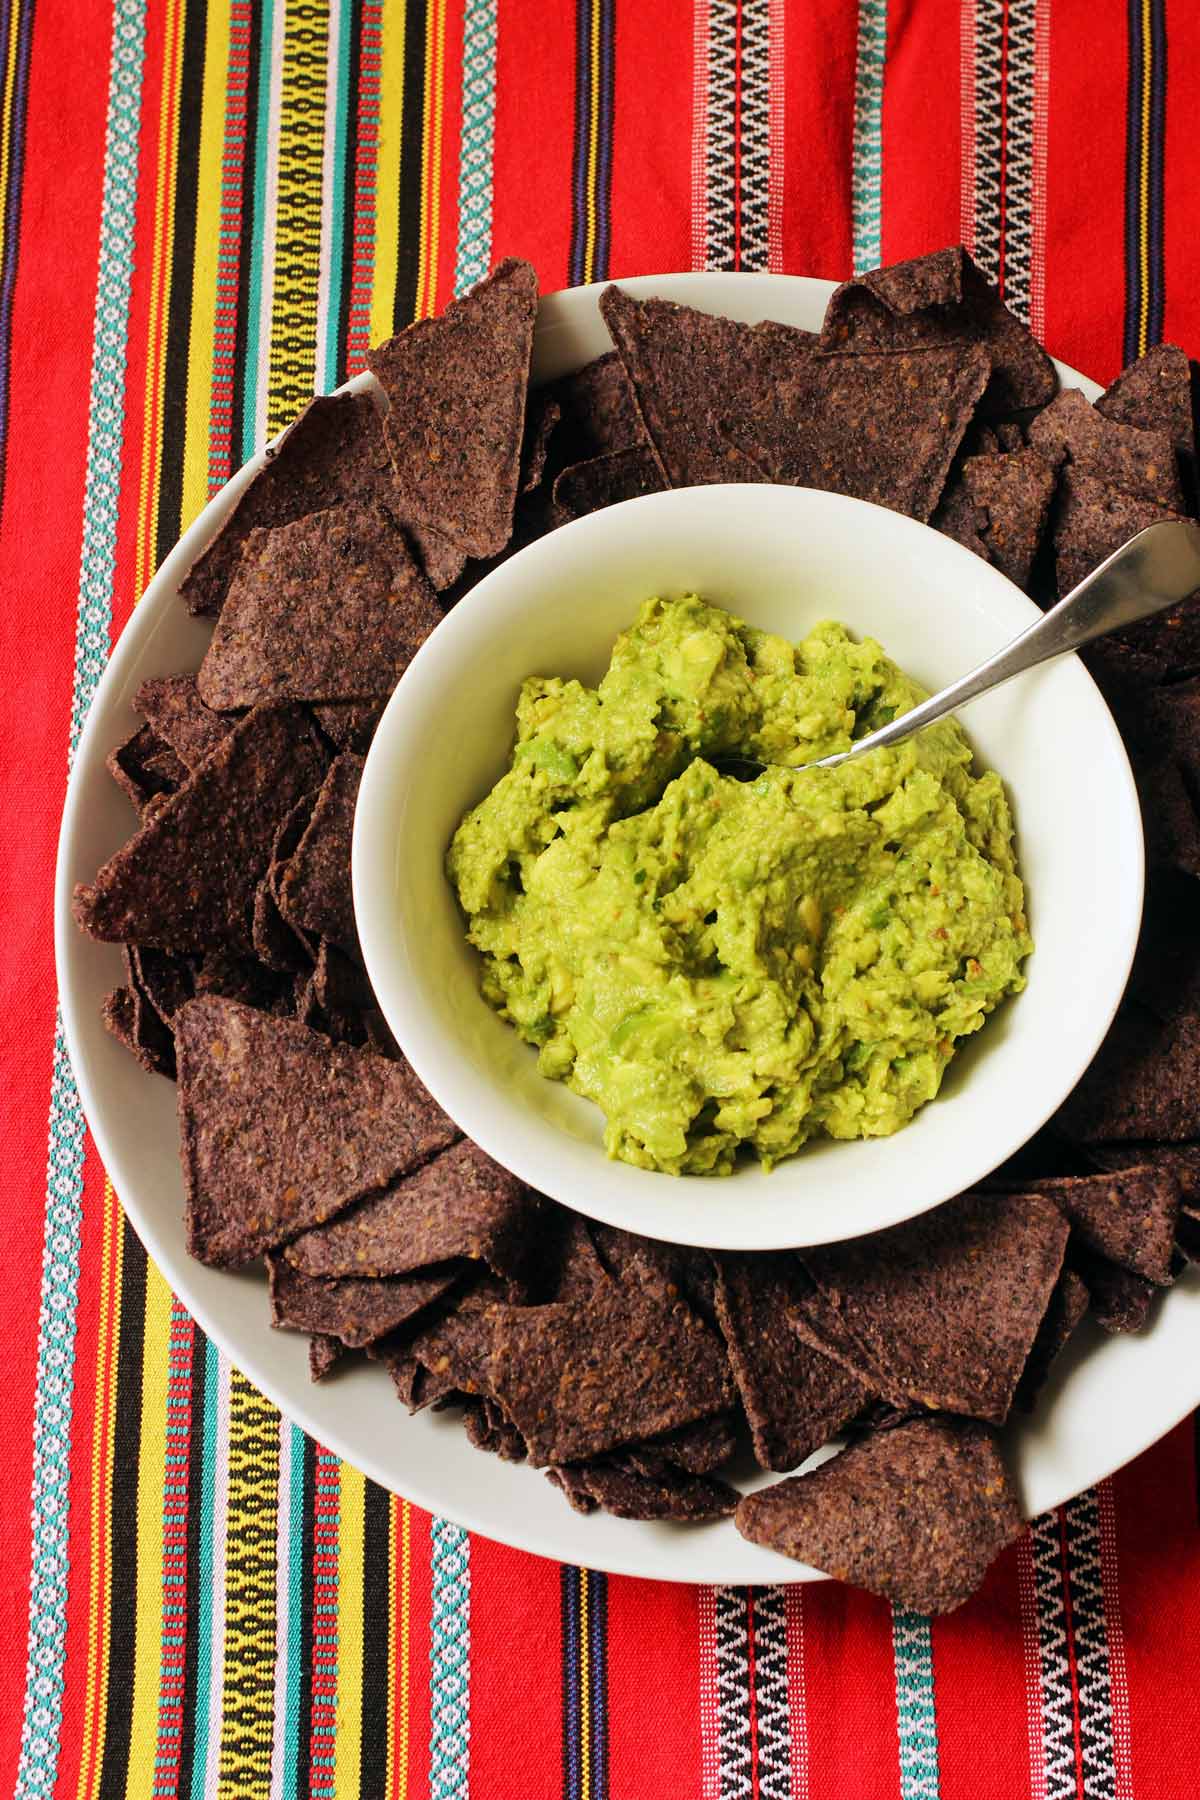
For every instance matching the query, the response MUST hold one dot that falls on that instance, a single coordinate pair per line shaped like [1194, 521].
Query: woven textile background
[207, 211]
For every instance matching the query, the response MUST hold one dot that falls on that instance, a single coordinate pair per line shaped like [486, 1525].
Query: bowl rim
[490, 1123]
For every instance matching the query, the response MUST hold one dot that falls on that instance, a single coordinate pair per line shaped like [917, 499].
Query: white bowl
[782, 558]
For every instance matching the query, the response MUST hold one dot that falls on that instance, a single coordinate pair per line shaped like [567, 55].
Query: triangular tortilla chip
[334, 452]
[456, 412]
[941, 299]
[599, 412]
[1143, 1083]
[145, 768]
[916, 1514]
[173, 707]
[999, 508]
[1128, 1216]
[356, 1312]
[314, 885]
[280, 1129]
[186, 881]
[946, 1306]
[795, 1398]
[328, 607]
[1136, 461]
[1155, 393]
[617, 1486]
[461, 1204]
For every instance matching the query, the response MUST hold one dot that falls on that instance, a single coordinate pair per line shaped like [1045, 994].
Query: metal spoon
[1156, 569]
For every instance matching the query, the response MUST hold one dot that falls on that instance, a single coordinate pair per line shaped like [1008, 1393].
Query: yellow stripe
[203, 328]
[1144, 186]
[585, 1692]
[10, 84]
[89, 1759]
[248, 1684]
[352, 1503]
[431, 162]
[387, 171]
[589, 251]
[297, 279]
[151, 1477]
[405, 1618]
[160, 262]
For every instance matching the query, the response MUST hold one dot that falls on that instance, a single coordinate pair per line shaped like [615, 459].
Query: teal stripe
[916, 1710]
[866, 206]
[204, 1585]
[450, 1662]
[295, 1637]
[474, 253]
[41, 1723]
[327, 377]
[254, 292]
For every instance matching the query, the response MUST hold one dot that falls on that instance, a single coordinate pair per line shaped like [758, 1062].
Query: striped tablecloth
[208, 210]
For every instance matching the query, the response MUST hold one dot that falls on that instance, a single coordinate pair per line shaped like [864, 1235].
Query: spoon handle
[1156, 569]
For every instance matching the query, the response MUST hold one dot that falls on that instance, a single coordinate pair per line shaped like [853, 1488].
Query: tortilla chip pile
[633, 1371]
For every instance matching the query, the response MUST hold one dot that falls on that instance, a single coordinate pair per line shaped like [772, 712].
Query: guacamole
[719, 963]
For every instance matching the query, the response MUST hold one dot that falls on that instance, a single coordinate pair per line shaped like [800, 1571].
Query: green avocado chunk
[718, 963]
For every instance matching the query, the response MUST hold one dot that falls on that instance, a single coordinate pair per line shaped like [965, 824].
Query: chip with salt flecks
[456, 1348]
[456, 389]
[915, 1514]
[565, 1377]
[460, 1204]
[1155, 393]
[1136, 461]
[186, 880]
[795, 1398]
[947, 1305]
[354, 1311]
[314, 886]
[334, 452]
[329, 607]
[280, 1129]
[172, 706]
[938, 299]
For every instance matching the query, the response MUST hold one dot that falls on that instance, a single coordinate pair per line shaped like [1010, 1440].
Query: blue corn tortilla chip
[565, 1378]
[146, 768]
[172, 707]
[280, 1130]
[943, 1310]
[1134, 460]
[1155, 394]
[334, 453]
[313, 890]
[134, 1023]
[349, 724]
[355, 1312]
[1068, 1306]
[1128, 1217]
[941, 299]
[795, 1398]
[599, 411]
[456, 388]
[186, 881]
[1143, 1083]
[999, 508]
[461, 1204]
[616, 1485]
[605, 481]
[916, 1514]
[329, 607]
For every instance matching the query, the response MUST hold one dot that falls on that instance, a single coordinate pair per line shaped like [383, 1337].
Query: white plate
[1107, 1399]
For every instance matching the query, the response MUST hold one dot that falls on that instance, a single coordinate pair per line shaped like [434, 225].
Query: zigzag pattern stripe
[1067, 1572]
[720, 142]
[733, 1694]
[1018, 205]
[771, 1694]
[989, 144]
[756, 134]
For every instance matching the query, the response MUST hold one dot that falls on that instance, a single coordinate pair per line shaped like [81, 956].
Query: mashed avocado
[715, 962]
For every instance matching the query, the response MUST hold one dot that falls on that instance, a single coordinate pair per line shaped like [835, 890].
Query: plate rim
[114, 684]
